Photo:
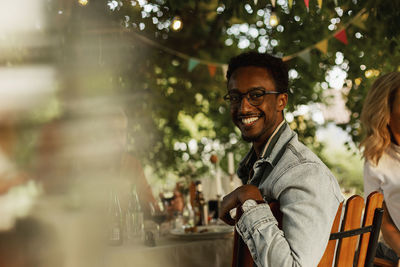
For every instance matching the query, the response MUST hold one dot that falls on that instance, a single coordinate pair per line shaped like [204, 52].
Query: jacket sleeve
[309, 197]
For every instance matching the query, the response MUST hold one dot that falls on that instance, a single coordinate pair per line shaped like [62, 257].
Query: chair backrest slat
[351, 220]
[327, 258]
[374, 201]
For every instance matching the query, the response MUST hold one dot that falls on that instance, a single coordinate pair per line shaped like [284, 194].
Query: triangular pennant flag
[322, 46]
[341, 36]
[273, 3]
[290, 3]
[307, 4]
[287, 58]
[192, 64]
[224, 69]
[306, 56]
[359, 23]
[212, 69]
[320, 3]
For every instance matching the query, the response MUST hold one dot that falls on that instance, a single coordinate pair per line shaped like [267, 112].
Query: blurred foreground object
[54, 94]
[17, 192]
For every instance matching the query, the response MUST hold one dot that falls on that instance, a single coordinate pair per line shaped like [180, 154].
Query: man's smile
[249, 120]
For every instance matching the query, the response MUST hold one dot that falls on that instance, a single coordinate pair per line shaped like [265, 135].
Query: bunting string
[322, 45]
[172, 51]
[340, 33]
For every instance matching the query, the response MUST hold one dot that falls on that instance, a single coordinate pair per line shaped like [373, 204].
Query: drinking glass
[158, 217]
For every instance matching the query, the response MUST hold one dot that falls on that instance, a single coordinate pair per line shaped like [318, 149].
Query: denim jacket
[308, 194]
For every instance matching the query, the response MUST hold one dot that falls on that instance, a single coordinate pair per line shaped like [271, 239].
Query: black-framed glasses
[255, 96]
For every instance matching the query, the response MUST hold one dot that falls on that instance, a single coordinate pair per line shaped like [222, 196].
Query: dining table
[62, 232]
[173, 251]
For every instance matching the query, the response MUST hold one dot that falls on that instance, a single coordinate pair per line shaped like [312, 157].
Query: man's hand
[236, 198]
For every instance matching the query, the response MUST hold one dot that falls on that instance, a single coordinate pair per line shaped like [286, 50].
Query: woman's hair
[375, 116]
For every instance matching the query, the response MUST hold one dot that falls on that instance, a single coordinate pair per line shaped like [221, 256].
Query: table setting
[190, 235]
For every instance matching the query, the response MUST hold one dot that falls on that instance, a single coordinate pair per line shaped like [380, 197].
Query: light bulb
[176, 24]
[83, 2]
[369, 73]
[273, 19]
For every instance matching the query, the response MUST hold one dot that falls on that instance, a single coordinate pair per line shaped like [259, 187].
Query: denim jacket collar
[272, 152]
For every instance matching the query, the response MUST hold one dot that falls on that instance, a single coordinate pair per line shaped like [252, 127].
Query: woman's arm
[390, 232]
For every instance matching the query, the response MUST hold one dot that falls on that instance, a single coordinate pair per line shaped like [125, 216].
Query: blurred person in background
[175, 202]
[127, 168]
[53, 162]
[380, 117]
[95, 146]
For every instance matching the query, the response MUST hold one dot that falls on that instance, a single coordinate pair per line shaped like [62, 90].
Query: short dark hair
[275, 66]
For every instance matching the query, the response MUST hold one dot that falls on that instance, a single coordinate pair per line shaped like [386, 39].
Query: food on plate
[194, 229]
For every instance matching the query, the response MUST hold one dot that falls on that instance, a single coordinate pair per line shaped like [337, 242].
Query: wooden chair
[344, 254]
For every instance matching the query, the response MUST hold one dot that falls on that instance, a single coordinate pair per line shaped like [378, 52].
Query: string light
[176, 24]
[273, 19]
[83, 2]
[372, 73]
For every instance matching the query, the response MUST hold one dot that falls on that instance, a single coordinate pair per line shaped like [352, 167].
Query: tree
[178, 115]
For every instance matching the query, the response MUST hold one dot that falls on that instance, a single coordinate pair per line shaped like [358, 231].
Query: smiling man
[277, 168]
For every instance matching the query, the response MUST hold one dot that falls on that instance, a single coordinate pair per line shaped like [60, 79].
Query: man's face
[256, 123]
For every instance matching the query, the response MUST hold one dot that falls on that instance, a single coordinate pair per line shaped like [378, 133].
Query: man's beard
[251, 139]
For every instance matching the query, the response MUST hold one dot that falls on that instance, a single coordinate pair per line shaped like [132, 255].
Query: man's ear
[282, 101]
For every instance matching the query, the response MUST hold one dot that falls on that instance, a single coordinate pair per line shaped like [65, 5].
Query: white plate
[204, 232]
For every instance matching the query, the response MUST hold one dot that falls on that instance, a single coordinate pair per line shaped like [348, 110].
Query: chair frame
[373, 240]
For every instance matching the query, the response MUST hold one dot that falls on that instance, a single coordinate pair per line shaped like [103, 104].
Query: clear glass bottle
[201, 208]
[134, 217]
[115, 237]
[178, 220]
[188, 213]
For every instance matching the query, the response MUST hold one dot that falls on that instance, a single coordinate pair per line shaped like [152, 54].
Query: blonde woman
[381, 120]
